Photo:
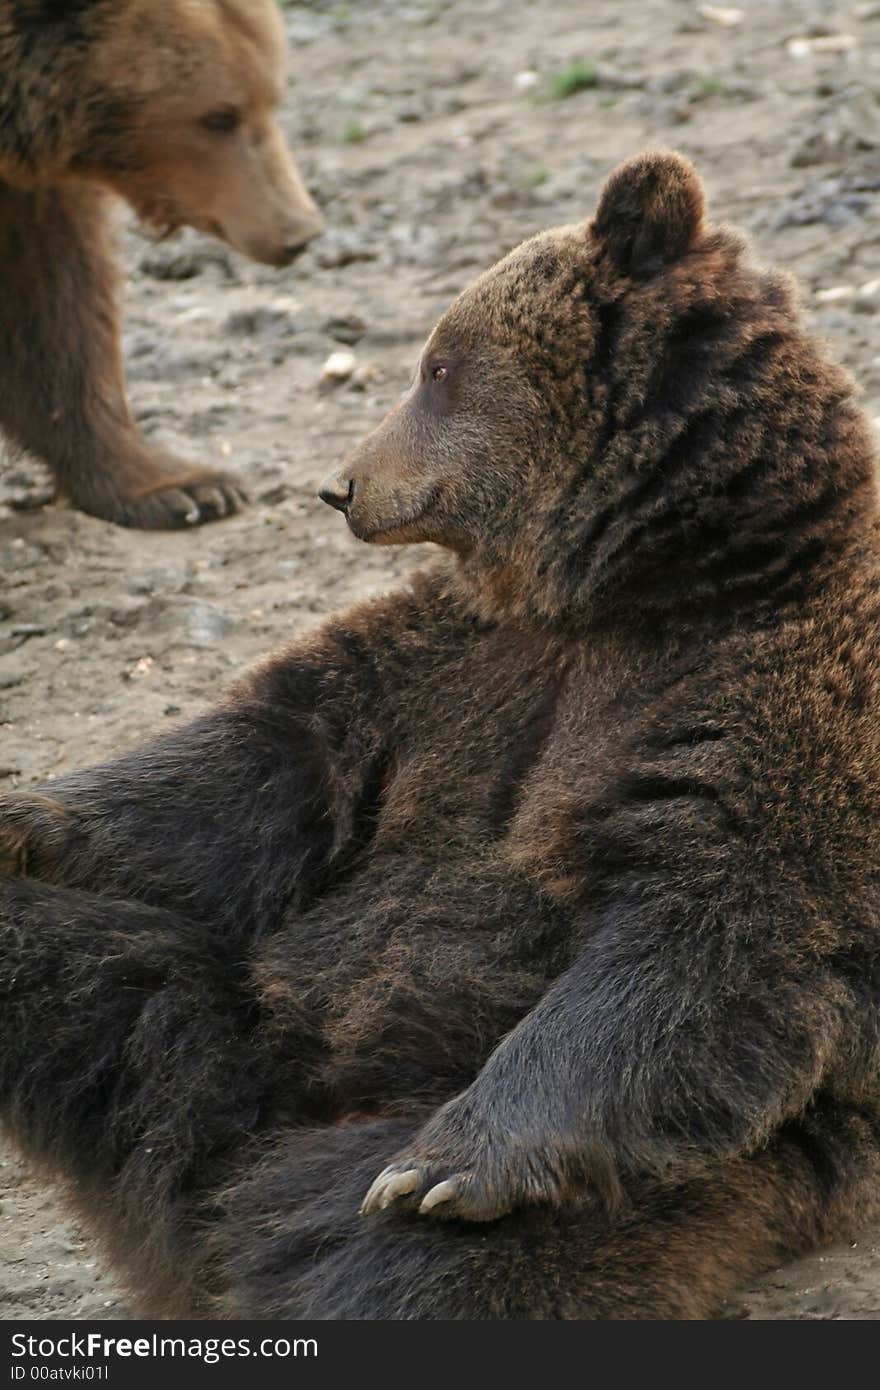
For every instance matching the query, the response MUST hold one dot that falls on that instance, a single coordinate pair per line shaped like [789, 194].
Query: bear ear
[650, 212]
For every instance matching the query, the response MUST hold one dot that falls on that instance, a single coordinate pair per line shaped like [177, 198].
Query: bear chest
[502, 749]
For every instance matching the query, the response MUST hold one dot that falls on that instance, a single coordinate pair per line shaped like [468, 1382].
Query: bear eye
[222, 122]
[439, 373]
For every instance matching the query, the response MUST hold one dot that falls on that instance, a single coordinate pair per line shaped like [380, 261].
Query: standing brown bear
[171, 105]
[509, 948]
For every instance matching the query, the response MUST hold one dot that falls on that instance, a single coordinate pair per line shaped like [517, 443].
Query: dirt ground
[436, 136]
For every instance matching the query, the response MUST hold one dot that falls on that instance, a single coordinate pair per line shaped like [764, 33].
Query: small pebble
[835, 294]
[205, 624]
[337, 249]
[363, 376]
[338, 366]
[822, 43]
[346, 328]
[725, 15]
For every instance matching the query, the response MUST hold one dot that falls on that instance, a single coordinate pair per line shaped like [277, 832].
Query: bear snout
[295, 237]
[337, 492]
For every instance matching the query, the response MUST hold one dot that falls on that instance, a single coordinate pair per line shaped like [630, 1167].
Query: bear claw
[447, 1193]
[190, 504]
[390, 1185]
[168, 504]
[440, 1193]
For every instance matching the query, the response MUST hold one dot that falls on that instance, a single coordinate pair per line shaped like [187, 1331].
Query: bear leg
[291, 1243]
[62, 384]
[136, 1065]
[133, 1069]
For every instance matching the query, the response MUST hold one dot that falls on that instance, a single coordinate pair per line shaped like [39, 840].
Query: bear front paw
[465, 1196]
[185, 501]
[465, 1167]
[33, 833]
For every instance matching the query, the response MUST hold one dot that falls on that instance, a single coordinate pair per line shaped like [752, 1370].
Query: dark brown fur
[552, 874]
[103, 97]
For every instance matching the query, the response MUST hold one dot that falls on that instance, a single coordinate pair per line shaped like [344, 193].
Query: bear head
[178, 114]
[620, 412]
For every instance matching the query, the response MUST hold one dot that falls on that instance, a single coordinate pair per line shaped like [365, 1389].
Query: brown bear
[510, 947]
[169, 104]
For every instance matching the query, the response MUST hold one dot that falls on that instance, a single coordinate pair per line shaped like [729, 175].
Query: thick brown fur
[169, 104]
[509, 948]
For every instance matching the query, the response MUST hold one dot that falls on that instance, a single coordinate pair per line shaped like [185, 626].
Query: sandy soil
[432, 152]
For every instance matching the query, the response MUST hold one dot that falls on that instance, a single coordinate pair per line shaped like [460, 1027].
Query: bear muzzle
[337, 492]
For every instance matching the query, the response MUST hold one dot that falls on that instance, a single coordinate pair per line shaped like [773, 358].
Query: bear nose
[291, 252]
[337, 492]
[299, 234]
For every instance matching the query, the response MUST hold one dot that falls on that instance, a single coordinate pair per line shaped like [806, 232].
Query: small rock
[337, 249]
[141, 668]
[819, 147]
[363, 376]
[725, 15]
[805, 47]
[346, 328]
[205, 623]
[259, 319]
[834, 294]
[526, 80]
[338, 367]
[127, 617]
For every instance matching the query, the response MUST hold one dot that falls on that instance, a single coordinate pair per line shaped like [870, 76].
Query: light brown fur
[169, 104]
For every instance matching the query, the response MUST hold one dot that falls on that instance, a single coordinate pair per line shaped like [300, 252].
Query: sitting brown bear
[531, 909]
[170, 105]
